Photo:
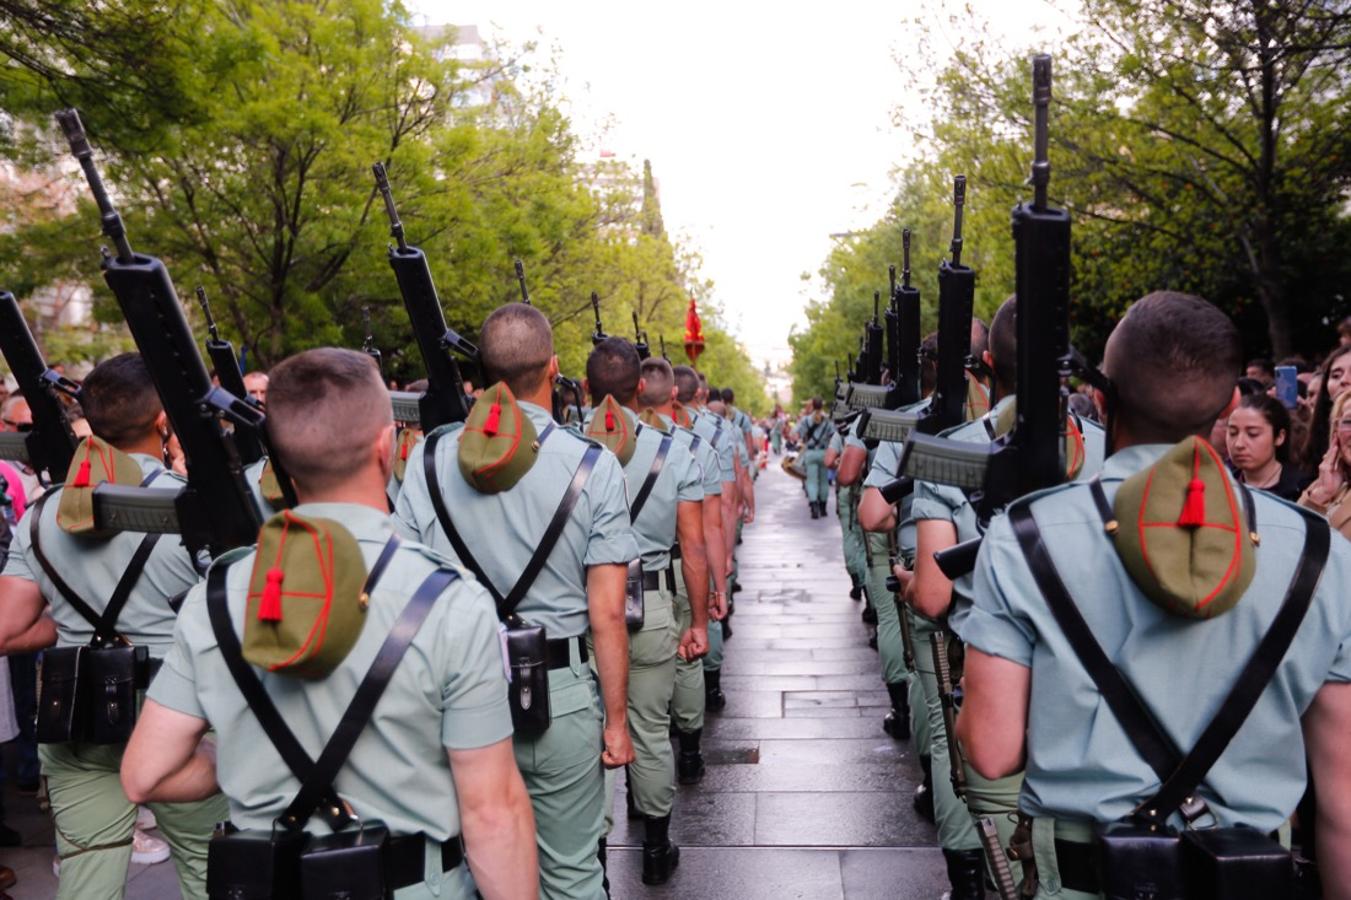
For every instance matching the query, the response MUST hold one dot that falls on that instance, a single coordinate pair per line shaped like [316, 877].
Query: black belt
[675, 552]
[1078, 866]
[560, 654]
[405, 859]
[652, 580]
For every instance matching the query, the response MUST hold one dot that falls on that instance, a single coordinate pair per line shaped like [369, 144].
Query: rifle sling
[105, 623]
[1179, 776]
[317, 792]
[506, 606]
[658, 462]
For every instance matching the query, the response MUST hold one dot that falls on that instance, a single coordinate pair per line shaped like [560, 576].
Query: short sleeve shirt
[884, 468]
[704, 455]
[814, 435]
[502, 530]
[449, 692]
[93, 566]
[715, 431]
[1080, 763]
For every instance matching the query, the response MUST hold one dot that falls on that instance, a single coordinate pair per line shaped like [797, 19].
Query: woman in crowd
[1258, 438]
[1330, 493]
[1333, 377]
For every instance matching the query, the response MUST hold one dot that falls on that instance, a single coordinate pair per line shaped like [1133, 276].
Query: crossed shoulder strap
[317, 792]
[658, 462]
[506, 605]
[105, 623]
[1179, 775]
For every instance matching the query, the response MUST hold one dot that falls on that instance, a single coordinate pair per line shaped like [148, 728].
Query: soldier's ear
[384, 449]
[586, 387]
[642, 385]
[554, 370]
[675, 393]
[1233, 404]
[162, 425]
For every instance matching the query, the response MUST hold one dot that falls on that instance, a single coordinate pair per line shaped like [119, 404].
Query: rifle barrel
[520, 278]
[1041, 100]
[959, 202]
[382, 184]
[69, 120]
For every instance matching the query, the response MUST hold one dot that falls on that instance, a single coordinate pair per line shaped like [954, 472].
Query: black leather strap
[652, 581]
[406, 859]
[1078, 866]
[506, 606]
[559, 651]
[1179, 776]
[658, 462]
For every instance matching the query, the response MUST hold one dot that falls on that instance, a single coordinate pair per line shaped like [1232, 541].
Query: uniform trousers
[94, 823]
[855, 554]
[563, 775]
[814, 461]
[919, 710]
[890, 646]
[956, 830]
[652, 673]
[687, 703]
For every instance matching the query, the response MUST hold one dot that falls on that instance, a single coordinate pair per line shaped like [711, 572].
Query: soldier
[814, 431]
[746, 510]
[500, 518]
[691, 394]
[435, 766]
[687, 705]
[60, 580]
[665, 489]
[846, 509]
[1179, 634]
[740, 420]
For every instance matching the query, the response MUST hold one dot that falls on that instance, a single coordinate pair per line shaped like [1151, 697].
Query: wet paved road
[805, 797]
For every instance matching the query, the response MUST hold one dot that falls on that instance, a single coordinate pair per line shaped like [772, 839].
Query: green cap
[610, 426]
[408, 438]
[306, 603]
[499, 443]
[95, 462]
[1183, 535]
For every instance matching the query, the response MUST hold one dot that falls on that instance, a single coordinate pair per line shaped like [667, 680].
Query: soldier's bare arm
[605, 603]
[1327, 733]
[875, 513]
[24, 625]
[852, 462]
[716, 554]
[931, 591]
[166, 760]
[992, 725]
[497, 822]
[694, 568]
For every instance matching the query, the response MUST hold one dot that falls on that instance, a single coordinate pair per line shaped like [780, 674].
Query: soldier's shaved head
[516, 345]
[613, 368]
[119, 400]
[687, 384]
[658, 379]
[1004, 344]
[1174, 359]
[980, 337]
[326, 409]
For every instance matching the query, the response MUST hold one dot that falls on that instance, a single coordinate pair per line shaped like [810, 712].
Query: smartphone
[1287, 386]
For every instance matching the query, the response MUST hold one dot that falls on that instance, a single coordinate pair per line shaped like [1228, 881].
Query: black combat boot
[727, 625]
[869, 615]
[714, 699]
[690, 762]
[966, 873]
[604, 871]
[855, 592]
[816, 514]
[924, 794]
[897, 722]
[660, 856]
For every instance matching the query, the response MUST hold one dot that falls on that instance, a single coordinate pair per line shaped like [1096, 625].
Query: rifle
[50, 446]
[443, 402]
[216, 510]
[226, 364]
[997, 858]
[947, 695]
[368, 342]
[890, 423]
[599, 334]
[520, 279]
[1031, 456]
[956, 296]
[663, 348]
[640, 340]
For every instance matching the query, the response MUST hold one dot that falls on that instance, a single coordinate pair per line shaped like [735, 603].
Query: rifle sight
[1041, 101]
[382, 184]
[69, 120]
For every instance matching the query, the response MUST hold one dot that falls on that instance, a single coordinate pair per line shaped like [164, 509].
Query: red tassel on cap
[1194, 507]
[609, 420]
[269, 607]
[494, 420]
[82, 476]
[403, 452]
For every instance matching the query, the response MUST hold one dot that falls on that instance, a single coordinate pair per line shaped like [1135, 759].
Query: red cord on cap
[269, 607]
[1194, 507]
[494, 420]
[609, 420]
[82, 476]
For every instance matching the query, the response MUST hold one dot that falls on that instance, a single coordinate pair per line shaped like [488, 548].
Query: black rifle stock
[443, 402]
[956, 298]
[223, 360]
[599, 334]
[50, 446]
[216, 510]
[640, 340]
[947, 695]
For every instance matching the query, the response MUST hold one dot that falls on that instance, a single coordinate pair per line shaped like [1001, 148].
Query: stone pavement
[805, 797]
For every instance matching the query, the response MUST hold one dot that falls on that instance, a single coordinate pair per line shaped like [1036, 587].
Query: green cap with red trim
[96, 462]
[499, 443]
[1182, 533]
[610, 426]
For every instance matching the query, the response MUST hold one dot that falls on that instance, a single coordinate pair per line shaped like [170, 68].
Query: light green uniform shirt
[449, 692]
[502, 530]
[715, 431]
[92, 567]
[705, 457]
[814, 435]
[1080, 764]
[884, 468]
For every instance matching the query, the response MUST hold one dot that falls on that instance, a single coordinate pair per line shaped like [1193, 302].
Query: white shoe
[56, 866]
[147, 850]
[145, 819]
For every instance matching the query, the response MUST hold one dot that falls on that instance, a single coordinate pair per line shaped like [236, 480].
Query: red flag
[694, 334]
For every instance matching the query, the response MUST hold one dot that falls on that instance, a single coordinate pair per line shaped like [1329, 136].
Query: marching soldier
[687, 705]
[435, 768]
[665, 490]
[500, 481]
[846, 508]
[739, 418]
[814, 431]
[100, 600]
[1165, 576]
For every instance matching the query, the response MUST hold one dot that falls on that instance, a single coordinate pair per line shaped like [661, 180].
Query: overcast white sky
[769, 130]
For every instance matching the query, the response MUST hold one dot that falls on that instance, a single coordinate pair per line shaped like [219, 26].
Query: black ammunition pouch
[1144, 857]
[59, 713]
[355, 861]
[527, 645]
[528, 693]
[634, 588]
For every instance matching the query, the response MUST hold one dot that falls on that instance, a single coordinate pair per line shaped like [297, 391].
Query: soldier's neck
[543, 396]
[366, 488]
[150, 445]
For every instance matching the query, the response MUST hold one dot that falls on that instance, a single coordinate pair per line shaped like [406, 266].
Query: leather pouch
[528, 657]
[59, 708]
[1136, 861]
[1235, 864]
[633, 596]
[346, 865]
[253, 865]
[111, 677]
